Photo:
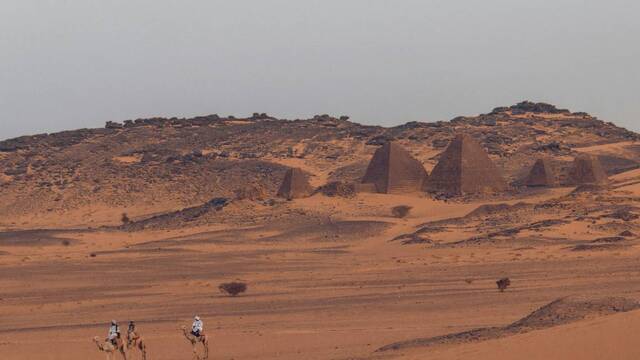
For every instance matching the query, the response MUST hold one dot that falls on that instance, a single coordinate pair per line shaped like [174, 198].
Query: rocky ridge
[187, 162]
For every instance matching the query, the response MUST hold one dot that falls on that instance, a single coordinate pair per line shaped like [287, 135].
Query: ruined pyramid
[392, 170]
[587, 170]
[541, 174]
[465, 168]
[295, 185]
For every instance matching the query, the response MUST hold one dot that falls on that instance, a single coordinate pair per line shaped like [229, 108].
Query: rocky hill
[168, 163]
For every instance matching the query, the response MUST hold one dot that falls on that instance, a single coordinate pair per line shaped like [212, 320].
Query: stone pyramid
[465, 168]
[541, 174]
[392, 170]
[295, 185]
[587, 170]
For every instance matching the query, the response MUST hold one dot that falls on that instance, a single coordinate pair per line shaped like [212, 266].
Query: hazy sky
[66, 64]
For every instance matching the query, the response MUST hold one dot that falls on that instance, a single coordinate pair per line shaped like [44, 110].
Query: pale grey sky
[66, 64]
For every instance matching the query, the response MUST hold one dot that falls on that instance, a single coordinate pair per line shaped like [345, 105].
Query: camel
[135, 341]
[194, 341]
[110, 349]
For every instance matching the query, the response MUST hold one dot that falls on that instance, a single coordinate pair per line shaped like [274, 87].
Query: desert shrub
[233, 288]
[66, 242]
[125, 218]
[503, 284]
[401, 211]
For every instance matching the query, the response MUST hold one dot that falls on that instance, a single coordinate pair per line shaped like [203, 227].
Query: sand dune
[612, 337]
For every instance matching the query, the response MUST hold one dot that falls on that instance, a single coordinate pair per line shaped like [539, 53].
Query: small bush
[125, 219]
[233, 288]
[503, 284]
[66, 242]
[401, 211]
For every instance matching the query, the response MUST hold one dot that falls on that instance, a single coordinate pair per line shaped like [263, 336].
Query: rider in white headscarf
[197, 327]
[114, 331]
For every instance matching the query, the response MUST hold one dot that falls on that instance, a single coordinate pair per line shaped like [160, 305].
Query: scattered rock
[401, 211]
[624, 215]
[338, 188]
[113, 125]
[609, 240]
[597, 247]
[251, 192]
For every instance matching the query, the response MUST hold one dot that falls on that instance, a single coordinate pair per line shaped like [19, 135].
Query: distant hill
[164, 163]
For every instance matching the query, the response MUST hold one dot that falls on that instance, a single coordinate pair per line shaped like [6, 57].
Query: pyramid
[392, 170]
[465, 168]
[541, 174]
[295, 185]
[587, 170]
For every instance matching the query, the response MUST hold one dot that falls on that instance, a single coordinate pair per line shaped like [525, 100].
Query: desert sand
[333, 277]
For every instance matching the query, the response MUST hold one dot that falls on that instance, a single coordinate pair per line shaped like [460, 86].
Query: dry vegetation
[233, 288]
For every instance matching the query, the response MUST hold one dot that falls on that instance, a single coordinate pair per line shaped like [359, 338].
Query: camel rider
[197, 327]
[132, 335]
[132, 327]
[114, 332]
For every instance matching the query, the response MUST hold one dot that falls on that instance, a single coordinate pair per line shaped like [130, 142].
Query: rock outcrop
[169, 162]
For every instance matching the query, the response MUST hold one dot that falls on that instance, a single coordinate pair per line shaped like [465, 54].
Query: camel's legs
[124, 354]
[195, 352]
[140, 345]
[205, 344]
[143, 349]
